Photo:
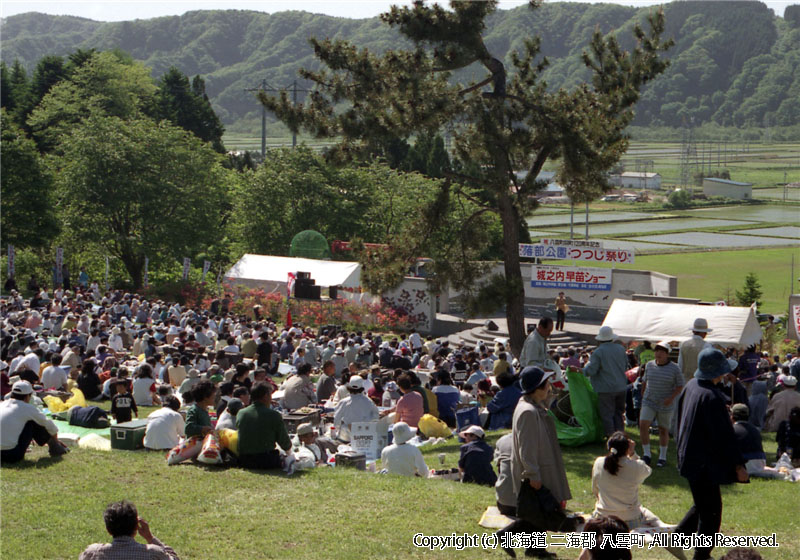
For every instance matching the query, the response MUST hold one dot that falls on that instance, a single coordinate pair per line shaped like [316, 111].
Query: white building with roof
[639, 180]
[713, 186]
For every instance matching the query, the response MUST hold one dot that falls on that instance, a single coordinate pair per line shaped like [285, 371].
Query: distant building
[713, 186]
[638, 181]
[552, 189]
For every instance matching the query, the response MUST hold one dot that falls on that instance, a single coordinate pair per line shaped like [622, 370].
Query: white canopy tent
[645, 320]
[271, 273]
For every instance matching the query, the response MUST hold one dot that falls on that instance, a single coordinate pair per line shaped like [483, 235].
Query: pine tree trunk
[515, 290]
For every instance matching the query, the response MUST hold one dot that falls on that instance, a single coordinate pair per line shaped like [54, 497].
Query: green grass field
[53, 508]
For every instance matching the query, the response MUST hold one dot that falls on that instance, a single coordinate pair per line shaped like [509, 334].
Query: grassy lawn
[53, 508]
[716, 275]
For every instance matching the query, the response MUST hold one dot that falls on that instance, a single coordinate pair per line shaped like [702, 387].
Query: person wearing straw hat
[402, 458]
[690, 349]
[606, 370]
[475, 462]
[357, 407]
[708, 454]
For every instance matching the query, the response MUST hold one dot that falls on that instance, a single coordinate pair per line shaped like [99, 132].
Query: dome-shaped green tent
[310, 244]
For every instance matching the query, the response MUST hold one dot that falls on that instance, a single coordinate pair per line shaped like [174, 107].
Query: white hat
[700, 325]
[402, 432]
[788, 381]
[605, 334]
[3, 365]
[663, 344]
[474, 430]
[305, 428]
[25, 388]
[356, 382]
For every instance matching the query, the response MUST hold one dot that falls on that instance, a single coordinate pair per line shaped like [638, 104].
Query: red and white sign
[796, 320]
[290, 284]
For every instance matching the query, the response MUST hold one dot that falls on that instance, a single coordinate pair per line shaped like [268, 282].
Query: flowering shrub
[349, 314]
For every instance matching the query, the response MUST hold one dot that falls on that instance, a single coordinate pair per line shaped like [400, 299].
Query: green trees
[751, 291]
[504, 123]
[138, 188]
[187, 106]
[26, 204]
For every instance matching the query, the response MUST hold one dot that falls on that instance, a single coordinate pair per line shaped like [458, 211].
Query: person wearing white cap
[661, 384]
[21, 422]
[402, 458]
[782, 404]
[690, 349]
[358, 407]
[606, 370]
[475, 462]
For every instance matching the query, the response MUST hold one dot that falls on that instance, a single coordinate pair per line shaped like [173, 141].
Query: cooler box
[128, 435]
[467, 417]
[351, 459]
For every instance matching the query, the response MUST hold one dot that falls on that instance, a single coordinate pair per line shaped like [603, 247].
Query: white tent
[271, 273]
[645, 320]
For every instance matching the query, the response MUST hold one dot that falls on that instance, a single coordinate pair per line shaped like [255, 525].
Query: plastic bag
[305, 459]
[188, 448]
[433, 427]
[55, 404]
[584, 409]
[229, 439]
[210, 453]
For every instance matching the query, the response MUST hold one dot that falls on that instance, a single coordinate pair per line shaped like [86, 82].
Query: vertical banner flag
[11, 258]
[59, 265]
[289, 287]
[187, 262]
[146, 277]
[107, 267]
[219, 278]
[206, 266]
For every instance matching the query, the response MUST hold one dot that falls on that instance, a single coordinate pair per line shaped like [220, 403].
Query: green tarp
[584, 409]
[65, 427]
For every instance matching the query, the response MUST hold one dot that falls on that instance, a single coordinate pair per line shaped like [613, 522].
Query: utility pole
[266, 87]
[294, 103]
[587, 220]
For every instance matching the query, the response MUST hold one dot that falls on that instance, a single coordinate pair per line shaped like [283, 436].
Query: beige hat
[402, 432]
[700, 325]
[305, 428]
[663, 344]
[474, 430]
[356, 382]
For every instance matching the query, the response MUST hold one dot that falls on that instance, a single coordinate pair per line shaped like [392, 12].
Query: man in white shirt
[54, 375]
[358, 407]
[21, 422]
[165, 426]
[402, 458]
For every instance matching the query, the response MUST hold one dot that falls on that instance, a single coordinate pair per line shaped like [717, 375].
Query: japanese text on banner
[572, 253]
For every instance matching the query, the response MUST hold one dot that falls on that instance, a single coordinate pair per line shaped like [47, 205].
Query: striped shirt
[661, 382]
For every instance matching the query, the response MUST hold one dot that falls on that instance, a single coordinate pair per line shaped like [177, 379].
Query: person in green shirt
[260, 427]
[198, 422]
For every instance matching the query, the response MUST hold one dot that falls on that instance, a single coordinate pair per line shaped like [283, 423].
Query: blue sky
[145, 9]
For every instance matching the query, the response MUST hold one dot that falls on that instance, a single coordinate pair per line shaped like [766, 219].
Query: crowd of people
[132, 352]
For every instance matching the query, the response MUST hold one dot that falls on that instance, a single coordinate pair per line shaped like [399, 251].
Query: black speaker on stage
[333, 292]
[303, 276]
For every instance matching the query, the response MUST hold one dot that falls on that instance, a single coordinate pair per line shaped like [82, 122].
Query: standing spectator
[536, 456]
[758, 403]
[707, 451]
[782, 404]
[606, 370]
[690, 349]
[122, 403]
[534, 351]
[661, 384]
[122, 523]
[504, 489]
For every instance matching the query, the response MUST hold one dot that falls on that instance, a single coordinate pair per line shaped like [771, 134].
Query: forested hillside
[734, 63]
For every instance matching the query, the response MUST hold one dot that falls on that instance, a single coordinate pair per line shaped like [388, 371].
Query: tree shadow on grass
[41, 462]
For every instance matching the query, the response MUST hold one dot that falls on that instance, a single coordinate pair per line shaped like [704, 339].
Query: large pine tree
[505, 123]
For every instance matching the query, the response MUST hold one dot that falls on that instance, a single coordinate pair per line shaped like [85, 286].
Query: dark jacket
[476, 460]
[706, 442]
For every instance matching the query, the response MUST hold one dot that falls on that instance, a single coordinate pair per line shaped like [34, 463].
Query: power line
[264, 86]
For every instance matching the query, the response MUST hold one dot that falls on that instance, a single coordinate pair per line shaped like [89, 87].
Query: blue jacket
[476, 460]
[606, 368]
[502, 407]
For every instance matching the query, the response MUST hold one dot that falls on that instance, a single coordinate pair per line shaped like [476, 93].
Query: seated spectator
[748, 438]
[782, 403]
[21, 422]
[616, 478]
[501, 407]
[321, 447]
[402, 458]
[375, 393]
[53, 376]
[391, 394]
[298, 390]
[198, 422]
[144, 386]
[89, 382]
[326, 383]
[447, 399]
[228, 417]
[758, 403]
[260, 429]
[409, 407]
[192, 379]
[788, 436]
[165, 426]
[475, 462]
[122, 523]
[601, 526]
[355, 408]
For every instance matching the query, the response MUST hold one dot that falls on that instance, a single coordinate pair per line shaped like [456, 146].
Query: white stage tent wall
[271, 273]
[644, 320]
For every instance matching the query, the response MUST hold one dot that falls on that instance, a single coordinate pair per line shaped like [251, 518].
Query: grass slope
[53, 508]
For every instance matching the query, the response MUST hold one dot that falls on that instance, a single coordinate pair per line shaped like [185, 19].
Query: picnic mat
[66, 427]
